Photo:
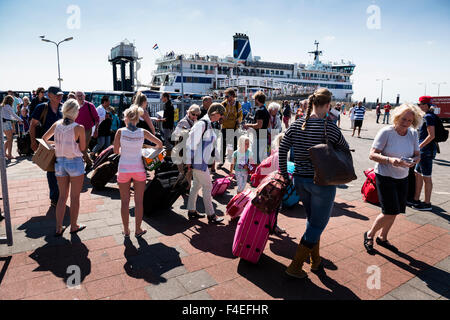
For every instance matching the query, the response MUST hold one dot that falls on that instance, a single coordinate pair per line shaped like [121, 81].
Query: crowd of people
[214, 131]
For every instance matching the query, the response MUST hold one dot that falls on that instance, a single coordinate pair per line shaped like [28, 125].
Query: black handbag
[333, 164]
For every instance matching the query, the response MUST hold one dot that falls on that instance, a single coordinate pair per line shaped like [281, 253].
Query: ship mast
[316, 53]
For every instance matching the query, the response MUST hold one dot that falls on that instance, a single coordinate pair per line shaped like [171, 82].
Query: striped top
[301, 140]
[131, 150]
[359, 112]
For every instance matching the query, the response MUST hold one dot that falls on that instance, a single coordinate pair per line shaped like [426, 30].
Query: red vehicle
[442, 107]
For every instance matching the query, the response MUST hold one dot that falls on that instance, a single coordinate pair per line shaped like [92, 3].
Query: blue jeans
[102, 141]
[386, 117]
[53, 186]
[318, 203]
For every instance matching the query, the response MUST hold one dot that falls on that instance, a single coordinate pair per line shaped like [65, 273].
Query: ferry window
[199, 67]
[188, 79]
[281, 72]
[277, 72]
[195, 80]
[205, 68]
[192, 66]
[267, 71]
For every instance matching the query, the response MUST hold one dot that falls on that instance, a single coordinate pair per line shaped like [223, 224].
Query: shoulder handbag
[333, 164]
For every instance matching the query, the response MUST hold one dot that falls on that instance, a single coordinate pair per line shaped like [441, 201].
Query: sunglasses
[195, 114]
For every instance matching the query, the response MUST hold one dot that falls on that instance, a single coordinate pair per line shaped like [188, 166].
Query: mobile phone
[410, 160]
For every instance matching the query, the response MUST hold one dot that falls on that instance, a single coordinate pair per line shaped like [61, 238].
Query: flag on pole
[155, 47]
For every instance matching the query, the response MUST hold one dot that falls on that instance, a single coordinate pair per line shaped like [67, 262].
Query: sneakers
[412, 203]
[214, 219]
[422, 206]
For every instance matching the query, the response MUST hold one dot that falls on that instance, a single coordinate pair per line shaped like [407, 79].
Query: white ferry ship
[204, 74]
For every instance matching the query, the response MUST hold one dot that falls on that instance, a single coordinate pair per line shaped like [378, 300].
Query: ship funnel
[241, 48]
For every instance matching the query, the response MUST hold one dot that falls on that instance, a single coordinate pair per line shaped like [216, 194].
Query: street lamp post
[424, 83]
[57, 53]
[439, 86]
[382, 84]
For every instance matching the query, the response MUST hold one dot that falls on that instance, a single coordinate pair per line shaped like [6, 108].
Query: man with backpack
[88, 117]
[232, 119]
[431, 132]
[43, 117]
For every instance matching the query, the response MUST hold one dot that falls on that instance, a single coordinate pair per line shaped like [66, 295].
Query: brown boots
[295, 268]
[315, 257]
[303, 252]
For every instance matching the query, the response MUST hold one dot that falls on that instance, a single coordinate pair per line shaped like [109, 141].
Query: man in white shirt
[101, 109]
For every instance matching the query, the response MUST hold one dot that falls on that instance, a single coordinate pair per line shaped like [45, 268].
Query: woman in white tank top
[128, 143]
[69, 165]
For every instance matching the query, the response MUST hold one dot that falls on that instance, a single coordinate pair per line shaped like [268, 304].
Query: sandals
[80, 227]
[386, 244]
[368, 243]
[139, 235]
[59, 234]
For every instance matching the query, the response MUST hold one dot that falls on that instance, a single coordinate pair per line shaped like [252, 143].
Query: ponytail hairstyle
[139, 99]
[319, 98]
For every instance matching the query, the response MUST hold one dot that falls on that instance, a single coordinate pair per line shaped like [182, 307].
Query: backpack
[105, 172]
[440, 133]
[369, 188]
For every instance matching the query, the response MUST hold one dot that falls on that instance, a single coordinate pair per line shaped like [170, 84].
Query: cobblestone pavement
[183, 259]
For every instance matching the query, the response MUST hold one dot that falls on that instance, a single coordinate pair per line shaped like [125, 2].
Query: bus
[119, 100]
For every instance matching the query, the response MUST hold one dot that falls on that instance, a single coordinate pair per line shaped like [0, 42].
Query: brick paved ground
[182, 259]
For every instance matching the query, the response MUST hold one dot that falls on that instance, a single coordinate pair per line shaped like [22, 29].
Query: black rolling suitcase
[163, 191]
[105, 172]
[24, 144]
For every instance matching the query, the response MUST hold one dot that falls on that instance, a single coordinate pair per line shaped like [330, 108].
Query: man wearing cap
[43, 117]
[427, 154]
[88, 118]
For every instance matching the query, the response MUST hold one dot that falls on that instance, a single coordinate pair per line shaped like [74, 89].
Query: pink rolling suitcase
[238, 203]
[252, 233]
[220, 186]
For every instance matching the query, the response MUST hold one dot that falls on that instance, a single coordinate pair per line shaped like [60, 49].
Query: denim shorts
[7, 125]
[425, 165]
[69, 167]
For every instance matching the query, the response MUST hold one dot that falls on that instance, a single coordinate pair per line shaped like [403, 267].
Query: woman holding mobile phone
[395, 150]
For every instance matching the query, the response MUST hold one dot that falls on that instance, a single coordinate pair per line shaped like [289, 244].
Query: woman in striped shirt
[303, 134]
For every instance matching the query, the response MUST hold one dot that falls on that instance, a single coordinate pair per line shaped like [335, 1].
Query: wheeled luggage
[220, 186]
[252, 233]
[163, 191]
[105, 172]
[238, 203]
[24, 144]
[290, 198]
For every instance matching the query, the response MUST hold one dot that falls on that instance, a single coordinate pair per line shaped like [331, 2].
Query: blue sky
[411, 46]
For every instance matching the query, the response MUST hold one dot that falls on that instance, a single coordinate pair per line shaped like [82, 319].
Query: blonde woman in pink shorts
[128, 143]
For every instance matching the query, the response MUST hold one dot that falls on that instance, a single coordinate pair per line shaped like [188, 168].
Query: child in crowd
[242, 162]
[25, 126]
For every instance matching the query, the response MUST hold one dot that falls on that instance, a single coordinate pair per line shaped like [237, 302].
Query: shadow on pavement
[109, 192]
[436, 279]
[66, 261]
[216, 239]
[38, 227]
[5, 266]
[150, 262]
[269, 275]
[339, 209]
